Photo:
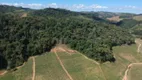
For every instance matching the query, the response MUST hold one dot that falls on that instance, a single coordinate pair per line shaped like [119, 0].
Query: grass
[138, 18]
[48, 68]
[24, 73]
[135, 73]
[124, 56]
[80, 68]
[8, 76]
[77, 66]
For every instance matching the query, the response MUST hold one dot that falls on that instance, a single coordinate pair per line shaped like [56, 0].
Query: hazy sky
[134, 6]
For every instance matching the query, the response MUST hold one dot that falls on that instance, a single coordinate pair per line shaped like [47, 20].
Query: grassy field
[79, 67]
[124, 56]
[135, 73]
[138, 18]
[48, 68]
[24, 73]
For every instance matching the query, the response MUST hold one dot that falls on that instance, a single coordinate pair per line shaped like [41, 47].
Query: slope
[126, 56]
[78, 66]
[22, 73]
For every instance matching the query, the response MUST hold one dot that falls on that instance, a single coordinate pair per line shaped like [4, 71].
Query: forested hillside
[41, 30]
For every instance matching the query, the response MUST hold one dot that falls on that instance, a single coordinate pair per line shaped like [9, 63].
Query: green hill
[77, 65]
[95, 48]
[40, 30]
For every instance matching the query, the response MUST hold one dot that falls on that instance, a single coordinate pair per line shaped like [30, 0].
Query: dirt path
[139, 42]
[61, 49]
[102, 72]
[130, 65]
[95, 63]
[89, 59]
[33, 67]
[61, 63]
[3, 73]
[128, 68]
[138, 50]
[64, 50]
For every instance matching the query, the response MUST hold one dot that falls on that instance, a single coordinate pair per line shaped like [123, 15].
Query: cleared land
[138, 18]
[23, 73]
[126, 75]
[49, 68]
[114, 18]
[124, 55]
[79, 67]
[135, 72]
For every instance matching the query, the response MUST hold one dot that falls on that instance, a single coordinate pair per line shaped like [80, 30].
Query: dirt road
[128, 68]
[95, 63]
[130, 65]
[33, 67]
[138, 50]
[61, 63]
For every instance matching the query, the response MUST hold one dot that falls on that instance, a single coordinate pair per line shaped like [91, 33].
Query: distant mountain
[5, 9]
[106, 15]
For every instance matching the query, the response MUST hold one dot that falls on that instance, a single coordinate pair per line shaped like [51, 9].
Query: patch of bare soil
[114, 18]
[24, 15]
[139, 43]
[2, 73]
[20, 66]
[62, 65]
[63, 48]
[33, 67]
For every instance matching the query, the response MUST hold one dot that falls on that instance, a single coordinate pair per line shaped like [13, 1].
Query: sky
[130, 6]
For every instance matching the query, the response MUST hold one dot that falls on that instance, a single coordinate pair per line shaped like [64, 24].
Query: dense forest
[41, 30]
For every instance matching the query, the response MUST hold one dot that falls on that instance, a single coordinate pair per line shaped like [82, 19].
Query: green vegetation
[86, 32]
[137, 31]
[51, 69]
[127, 23]
[23, 73]
[79, 67]
[124, 56]
[132, 25]
[38, 32]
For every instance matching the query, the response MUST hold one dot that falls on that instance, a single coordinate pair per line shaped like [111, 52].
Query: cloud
[55, 5]
[79, 7]
[96, 6]
[33, 5]
[131, 7]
